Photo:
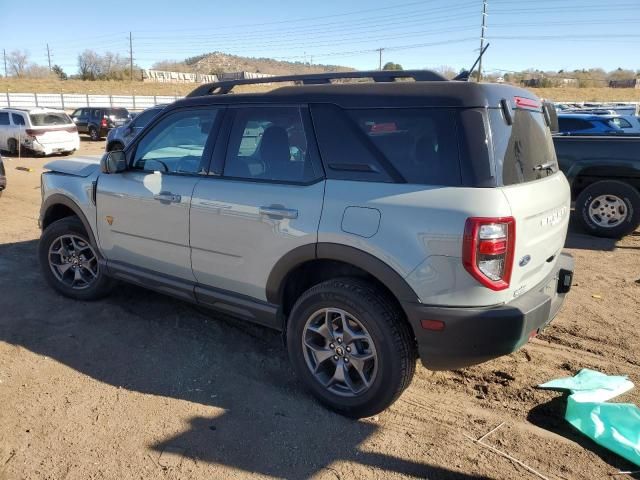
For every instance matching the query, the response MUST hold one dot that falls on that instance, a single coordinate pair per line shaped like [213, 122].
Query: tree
[88, 65]
[57, 70]
[17, 61]
[392, 66]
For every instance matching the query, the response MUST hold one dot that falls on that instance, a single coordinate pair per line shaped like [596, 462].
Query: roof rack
[220, 88]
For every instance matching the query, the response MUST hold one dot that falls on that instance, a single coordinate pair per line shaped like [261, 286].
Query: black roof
[439, 93]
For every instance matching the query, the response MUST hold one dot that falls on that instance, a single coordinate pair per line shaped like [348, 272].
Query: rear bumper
[475, 335]
[54, 147]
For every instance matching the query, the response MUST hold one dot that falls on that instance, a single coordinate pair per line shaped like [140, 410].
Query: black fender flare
[59, 199]
[343, 253]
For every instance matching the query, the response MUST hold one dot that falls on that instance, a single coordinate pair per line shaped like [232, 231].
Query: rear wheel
[94, 134]
[351, 347]
[12, 145]
[69, 261]
[609, 208]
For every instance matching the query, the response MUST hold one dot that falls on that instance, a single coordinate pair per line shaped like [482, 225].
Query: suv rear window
[117, 113]
[49, 118]
[419, 143]
[523, 151]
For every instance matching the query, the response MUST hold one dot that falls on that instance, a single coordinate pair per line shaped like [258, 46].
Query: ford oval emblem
[524, 260]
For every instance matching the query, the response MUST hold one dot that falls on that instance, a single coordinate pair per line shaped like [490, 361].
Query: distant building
[159, 76]
[629, 83]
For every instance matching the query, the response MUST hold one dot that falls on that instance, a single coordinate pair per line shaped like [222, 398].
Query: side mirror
[113, 162]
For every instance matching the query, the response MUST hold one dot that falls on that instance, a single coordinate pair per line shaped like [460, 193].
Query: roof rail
[220, 88]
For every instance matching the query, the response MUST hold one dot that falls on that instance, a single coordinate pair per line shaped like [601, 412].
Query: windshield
[523, 151]
[49, 119]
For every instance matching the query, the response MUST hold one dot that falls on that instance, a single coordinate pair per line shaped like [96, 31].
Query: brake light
[523, 102]
[487, 250]
[103, 123]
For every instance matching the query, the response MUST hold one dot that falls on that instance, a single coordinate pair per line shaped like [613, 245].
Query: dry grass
[588, 94]
[140, 88]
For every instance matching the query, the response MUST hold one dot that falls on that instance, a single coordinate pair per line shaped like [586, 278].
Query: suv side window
[4, 118]
[95, 113]
[620, 122]
[419, 143]
[17, 119]
[269, 143]
[176, 144]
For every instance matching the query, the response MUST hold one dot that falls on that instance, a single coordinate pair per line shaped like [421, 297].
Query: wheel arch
[311, 264]
[57, 207]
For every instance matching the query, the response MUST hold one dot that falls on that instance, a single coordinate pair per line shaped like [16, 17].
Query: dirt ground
[143, 386]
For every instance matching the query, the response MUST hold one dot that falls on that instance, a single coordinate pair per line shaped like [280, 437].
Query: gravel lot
[143, 386]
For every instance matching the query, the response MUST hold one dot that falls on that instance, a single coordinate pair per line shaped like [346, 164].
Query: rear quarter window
[523, 150]
[391, 145]
[49, 119]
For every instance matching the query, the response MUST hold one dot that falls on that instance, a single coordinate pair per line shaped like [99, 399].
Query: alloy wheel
[339, 352]
[73, 261]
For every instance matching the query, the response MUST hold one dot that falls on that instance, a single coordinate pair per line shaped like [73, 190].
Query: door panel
[148, 228]
[143, 213]
[238, 233]
[267, 202]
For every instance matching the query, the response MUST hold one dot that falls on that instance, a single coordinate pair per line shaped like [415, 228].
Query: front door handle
[276, 211]
[167, 197]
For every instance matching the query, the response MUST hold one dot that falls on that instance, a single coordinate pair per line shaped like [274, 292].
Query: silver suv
[371, 222]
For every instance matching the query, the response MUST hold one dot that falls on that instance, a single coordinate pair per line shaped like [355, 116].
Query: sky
[541, 34]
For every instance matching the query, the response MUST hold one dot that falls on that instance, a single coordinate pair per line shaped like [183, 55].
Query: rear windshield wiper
[548, 167]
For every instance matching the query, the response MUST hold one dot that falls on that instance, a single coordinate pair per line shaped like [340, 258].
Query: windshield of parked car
[49, 119]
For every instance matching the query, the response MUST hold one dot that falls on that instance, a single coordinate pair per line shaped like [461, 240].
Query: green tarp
[615, 426]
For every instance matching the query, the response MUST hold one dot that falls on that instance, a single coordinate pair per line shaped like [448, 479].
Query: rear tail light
[103, 123]
[487, 250]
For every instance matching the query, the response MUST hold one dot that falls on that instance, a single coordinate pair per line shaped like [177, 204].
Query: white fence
[69, 101]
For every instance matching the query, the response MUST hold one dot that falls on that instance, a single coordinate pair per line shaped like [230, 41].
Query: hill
[217, 62]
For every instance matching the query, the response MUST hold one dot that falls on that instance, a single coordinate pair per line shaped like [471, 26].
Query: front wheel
[609, 208]
[350, 345]
[69, 261]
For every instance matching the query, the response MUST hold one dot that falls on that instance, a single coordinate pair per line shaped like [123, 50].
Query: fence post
[155, 100]
[87, 95]
[62, 100]
[35, 95]
[111, 101]
[8, 100]
[134, 101]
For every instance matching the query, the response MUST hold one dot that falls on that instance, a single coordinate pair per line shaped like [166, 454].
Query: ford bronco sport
[371, 222]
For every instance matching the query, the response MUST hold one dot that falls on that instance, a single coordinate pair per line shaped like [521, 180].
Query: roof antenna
[466, 74]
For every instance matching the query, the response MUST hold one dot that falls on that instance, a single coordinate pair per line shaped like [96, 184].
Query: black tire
[94, 134]
[628, 199]
[99, 287]
[12, 145]
[115, 146]
[384, 322]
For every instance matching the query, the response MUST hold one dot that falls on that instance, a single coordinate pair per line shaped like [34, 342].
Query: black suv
[96, 122]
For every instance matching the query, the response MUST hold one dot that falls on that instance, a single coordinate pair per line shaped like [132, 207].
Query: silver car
[371, 223]
[120, 137]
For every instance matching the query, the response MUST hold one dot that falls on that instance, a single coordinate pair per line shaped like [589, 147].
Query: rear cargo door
[537, 192]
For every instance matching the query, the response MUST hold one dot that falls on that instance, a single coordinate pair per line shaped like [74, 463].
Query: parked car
[96, 122]
[368, 222]
[604, 174]
[39, 130]
[588, 124]
[119, 137]
[3, 178]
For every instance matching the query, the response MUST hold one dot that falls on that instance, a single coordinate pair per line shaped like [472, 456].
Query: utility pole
[484, 17]
[4, 54]
[130, 57]
[49, 56]
[380, 58]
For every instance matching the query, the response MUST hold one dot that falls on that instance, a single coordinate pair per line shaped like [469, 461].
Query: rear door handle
[279, 212]
[167, 197]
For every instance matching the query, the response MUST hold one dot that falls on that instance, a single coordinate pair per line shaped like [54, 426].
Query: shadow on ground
[550, 416]
[149, 343]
